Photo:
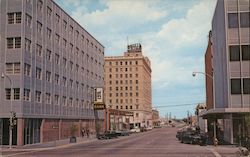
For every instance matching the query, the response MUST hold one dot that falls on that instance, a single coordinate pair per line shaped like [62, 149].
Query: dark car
[122, 133]
[107, 135]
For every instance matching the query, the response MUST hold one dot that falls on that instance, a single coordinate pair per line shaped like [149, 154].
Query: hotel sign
[98, 99]
[98, 106]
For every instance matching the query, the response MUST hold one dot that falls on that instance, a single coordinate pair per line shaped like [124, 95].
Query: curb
[46, 148]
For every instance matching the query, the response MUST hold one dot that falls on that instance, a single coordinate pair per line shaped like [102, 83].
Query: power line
[163, 106]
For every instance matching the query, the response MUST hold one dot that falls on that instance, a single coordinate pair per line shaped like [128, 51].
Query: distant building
[53, 63]
[231, 71]
[128, 85]
[155, 117]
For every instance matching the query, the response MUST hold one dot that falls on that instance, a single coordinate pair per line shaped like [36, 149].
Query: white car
[135, 130]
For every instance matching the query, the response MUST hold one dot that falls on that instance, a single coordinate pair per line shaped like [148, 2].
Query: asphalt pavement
[160, 142]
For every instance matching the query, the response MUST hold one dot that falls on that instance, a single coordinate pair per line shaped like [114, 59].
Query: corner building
[53, 64]
[128, 85]
[231, 71]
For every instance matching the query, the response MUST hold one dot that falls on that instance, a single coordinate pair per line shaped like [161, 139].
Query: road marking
[214, 152]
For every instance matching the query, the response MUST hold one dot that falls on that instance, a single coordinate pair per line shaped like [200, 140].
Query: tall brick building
[49, 66]
[128, 85]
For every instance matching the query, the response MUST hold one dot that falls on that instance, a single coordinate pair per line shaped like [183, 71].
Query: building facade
[49, 66]
[155, 117]
[128, 85]
[231, 70]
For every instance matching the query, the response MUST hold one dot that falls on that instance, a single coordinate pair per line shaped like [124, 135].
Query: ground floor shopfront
[233, 128]
[36, 130]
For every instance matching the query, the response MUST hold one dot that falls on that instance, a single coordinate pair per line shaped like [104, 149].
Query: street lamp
[211, 77]
[11, 112]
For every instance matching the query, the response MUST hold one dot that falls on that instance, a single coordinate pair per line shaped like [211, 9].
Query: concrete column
[59, 129]
[41, 131]
[20, 131]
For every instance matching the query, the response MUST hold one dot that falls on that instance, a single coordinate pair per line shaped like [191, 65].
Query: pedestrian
[83, 132]
[215, 141]
[87, 132]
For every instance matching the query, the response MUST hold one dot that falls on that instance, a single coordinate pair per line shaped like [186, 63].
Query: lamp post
[211, 77]
[11, 112]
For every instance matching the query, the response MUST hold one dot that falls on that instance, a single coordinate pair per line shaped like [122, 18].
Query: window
[39, 28]
[39, 5]
[77, 85]
[26, 95]
[64, 25]
[235, 86]
[14, 42]
[57, 18]
[56, 78]
[77, 51]
[7, 93]
[27, 69]
[71, 47]
[16, 93]
[48, 33]
[234, 51]
[64, 100]
[64, 62]
[70, 102]
[38, 96]
[38, 73]
[27, 45]
[137, 114]
[57, 58]
[48, 55]
[70, 29]
[28, 19]
[64, 43]
[77, 67]
[245, 52]
[77, 34]
[246, 85]
[49, 11]
[56, 99]
[48, 76]
[48, 98]
[233, 20]
[136, 81]
[71, 83]
[13, 68]
[71, 65]
[245, 19]
[39, 50]
[131, 107]
[57, 38]
[64, 81]
[14, 18]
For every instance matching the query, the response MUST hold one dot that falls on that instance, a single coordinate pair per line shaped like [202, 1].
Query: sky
[173, 35]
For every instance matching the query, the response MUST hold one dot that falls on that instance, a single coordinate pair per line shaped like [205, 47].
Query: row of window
[14, 18]
[125, 69]
[121, 101]
[125, 88]
[125, 94]
[238, 88]
[64, 23]
[123, 63]
[238, 52]
[233, 20]
[127, 107]
[13, 43]
[38, 97]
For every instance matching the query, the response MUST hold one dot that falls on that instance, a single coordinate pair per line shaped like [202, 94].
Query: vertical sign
[98, 95]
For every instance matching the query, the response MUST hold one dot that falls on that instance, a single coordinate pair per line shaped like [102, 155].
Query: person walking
[87, 132]
[83, 132]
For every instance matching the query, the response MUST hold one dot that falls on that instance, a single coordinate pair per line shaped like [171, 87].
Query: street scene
[160, 142]
[125, 78]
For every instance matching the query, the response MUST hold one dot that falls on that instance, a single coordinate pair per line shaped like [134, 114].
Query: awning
[220, 112]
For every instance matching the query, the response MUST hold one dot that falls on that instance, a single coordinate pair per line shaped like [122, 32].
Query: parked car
[107, 135]
[122, 133]
[149, 128]
[135, 130]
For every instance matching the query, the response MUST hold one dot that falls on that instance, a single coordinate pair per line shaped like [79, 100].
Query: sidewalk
[49, 145]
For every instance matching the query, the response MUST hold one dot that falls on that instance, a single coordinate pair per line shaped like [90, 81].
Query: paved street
[155, 143]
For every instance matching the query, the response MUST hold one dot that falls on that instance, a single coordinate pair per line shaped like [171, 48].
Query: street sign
[99, 106]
